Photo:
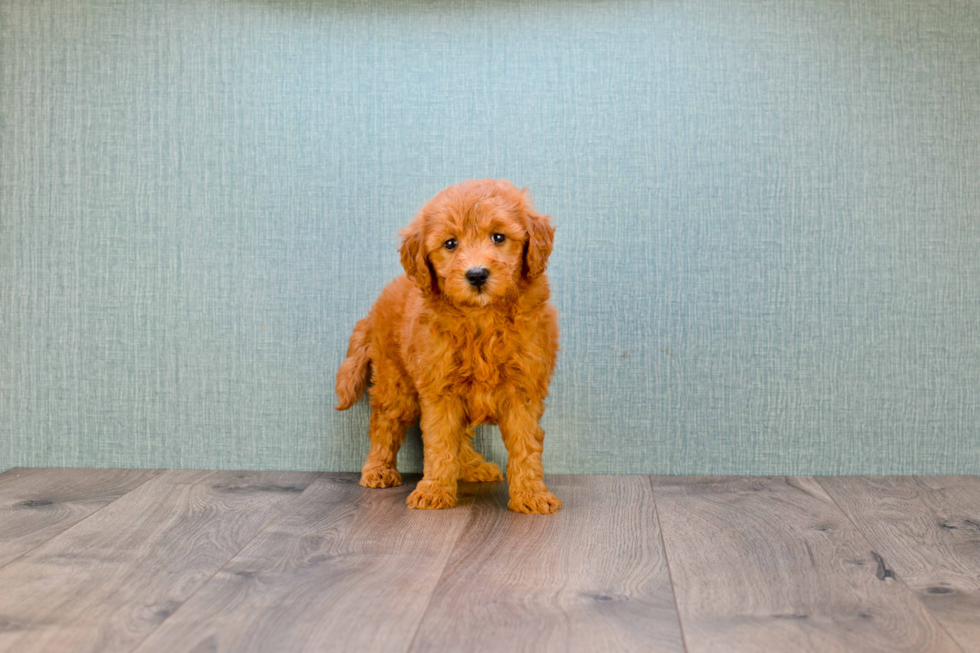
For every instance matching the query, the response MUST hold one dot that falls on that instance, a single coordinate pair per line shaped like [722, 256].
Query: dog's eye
[498, 238]
[450, 244]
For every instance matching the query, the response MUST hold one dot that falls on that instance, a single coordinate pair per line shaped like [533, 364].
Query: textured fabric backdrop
[768, 223]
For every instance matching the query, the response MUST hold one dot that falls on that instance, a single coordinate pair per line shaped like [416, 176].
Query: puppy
[466, 337]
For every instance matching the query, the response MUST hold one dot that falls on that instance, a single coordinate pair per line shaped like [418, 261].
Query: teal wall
[768, 223]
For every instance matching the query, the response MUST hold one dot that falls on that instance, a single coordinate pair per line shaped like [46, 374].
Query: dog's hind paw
[482, 473]
[534, 503]
[381, 477]
[430, 498]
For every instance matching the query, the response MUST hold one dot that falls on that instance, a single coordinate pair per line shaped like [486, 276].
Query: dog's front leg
[525, 441]
[443, 427]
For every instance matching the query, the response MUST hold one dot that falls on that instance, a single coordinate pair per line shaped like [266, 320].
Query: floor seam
[155, 474]
[670, 574]
[225, 563]
[900, 579]
[445, 567]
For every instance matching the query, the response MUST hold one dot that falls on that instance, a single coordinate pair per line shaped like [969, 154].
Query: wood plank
[928, 528]
[345, 568]
[37, 504]
[591, 577]
[771, 564]
[110, 580]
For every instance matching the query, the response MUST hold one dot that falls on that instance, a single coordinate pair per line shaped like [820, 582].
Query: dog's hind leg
[473, 467]
[394, 407]
[381, 466]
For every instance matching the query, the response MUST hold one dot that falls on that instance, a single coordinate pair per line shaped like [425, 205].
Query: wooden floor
[173, 561]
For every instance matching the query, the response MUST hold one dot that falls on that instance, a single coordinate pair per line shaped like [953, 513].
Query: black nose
[477, 276]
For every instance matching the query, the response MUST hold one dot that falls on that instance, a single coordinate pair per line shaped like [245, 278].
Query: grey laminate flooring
[173, 561]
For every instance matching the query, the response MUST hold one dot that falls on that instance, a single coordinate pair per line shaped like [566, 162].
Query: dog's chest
[483, 362]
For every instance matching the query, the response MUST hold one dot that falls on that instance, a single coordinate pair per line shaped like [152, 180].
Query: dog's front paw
[482, 473]
[534, 503]
[381, 477]
[431, 497]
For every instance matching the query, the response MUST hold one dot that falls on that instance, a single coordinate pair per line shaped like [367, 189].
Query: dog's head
[477, 243]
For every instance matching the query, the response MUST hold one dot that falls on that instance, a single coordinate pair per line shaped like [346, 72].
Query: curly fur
[439, 350]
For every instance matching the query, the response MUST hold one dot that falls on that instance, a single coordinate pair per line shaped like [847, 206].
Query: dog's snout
[477, 276]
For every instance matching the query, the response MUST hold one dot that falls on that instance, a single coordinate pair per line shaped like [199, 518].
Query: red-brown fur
[439, 350]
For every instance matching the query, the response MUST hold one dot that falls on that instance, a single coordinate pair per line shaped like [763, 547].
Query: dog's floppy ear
[414, 258]
[540, 238]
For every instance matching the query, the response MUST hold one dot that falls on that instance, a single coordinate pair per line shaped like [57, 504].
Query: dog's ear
[415, 260]
[540, 238]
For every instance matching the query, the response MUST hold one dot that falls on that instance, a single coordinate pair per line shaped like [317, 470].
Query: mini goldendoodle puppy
[466, 337]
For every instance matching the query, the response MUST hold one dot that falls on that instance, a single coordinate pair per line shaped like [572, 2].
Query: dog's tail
[354, 372]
